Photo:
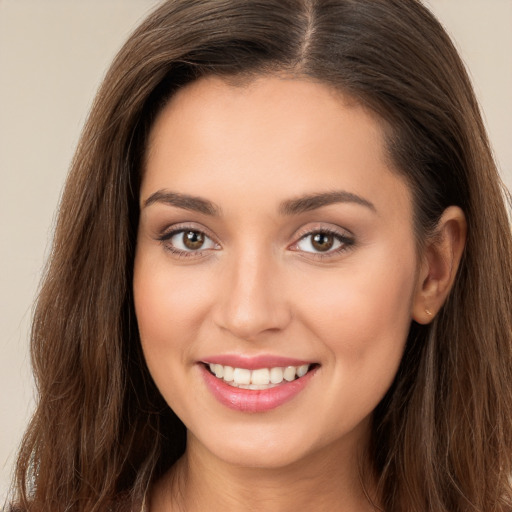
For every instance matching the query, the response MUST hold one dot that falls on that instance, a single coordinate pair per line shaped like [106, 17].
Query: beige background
[53, 54]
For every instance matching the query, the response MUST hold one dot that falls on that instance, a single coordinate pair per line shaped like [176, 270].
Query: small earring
[429, 313]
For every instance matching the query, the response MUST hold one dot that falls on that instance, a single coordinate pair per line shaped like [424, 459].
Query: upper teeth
[257, 379]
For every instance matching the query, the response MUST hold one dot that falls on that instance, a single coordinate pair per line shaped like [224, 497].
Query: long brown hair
[442, 436]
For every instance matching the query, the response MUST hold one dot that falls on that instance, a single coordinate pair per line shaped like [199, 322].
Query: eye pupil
[193, 239]
[322, 241]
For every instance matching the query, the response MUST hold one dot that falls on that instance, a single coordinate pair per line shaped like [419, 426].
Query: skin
[258, 286]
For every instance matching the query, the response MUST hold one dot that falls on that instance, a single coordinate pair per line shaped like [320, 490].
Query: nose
[253, 300]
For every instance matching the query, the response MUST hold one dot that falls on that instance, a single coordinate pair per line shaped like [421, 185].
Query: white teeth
[228, 373]
[219, 371]
[276, 375]
[302, 370]
[262, 378]
[242, 376]
[289, 373]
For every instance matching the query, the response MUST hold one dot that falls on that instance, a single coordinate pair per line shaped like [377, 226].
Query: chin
[270, 447]
[259, 457]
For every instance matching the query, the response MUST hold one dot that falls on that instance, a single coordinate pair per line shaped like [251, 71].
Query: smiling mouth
[258, 379]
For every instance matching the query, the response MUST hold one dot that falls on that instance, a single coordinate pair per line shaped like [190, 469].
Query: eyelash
[167, 236]
[346, 242]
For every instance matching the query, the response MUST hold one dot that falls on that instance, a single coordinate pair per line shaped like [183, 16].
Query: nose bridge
[253, 300]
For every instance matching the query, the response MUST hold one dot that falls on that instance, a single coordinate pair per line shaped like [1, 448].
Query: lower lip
[261, 400]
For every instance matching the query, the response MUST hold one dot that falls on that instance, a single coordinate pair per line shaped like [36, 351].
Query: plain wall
[53, 55]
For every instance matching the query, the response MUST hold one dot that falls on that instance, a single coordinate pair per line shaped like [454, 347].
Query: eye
[187, 241]
[323, 241]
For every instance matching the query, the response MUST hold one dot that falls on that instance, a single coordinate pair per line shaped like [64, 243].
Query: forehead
[272, 134]
[263, 107]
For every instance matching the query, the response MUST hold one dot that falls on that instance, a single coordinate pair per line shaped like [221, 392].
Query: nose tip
[253, 303]
[247, 321]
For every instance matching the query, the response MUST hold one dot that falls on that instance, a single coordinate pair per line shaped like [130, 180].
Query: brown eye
[193, 240]
[322, 241]
[188, 241]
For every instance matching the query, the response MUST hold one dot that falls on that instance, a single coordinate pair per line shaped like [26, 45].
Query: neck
[326, 480]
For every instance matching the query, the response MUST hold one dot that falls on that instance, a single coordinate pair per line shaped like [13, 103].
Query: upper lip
[254, 362]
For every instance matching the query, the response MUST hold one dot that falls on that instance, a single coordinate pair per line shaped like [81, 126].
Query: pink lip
[253, 401]
[254, 362]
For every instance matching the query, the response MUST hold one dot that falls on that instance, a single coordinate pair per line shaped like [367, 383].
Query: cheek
[167, 306]
[371, 310]
[165, 294]
[364, 335]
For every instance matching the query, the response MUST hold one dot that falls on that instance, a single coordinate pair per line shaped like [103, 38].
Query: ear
[441, 258]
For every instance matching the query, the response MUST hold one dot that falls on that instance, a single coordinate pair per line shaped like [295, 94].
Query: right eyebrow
[185, 201]
[314, 201]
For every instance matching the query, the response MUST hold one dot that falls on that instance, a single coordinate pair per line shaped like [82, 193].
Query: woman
[281, 276]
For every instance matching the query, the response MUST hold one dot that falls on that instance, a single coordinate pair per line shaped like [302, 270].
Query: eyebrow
[314, 201]
[185, 201]
[290, 207]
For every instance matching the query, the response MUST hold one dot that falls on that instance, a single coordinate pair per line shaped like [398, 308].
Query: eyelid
[343, 235]
[170, 231]
[318, 227]
[346, 238]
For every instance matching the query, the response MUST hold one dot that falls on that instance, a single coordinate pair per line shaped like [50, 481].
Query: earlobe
[441, 259]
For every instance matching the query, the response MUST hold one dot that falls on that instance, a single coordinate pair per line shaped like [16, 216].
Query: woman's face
[274, 239]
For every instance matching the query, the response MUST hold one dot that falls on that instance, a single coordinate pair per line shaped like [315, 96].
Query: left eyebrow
[314, 201]
[184, 201]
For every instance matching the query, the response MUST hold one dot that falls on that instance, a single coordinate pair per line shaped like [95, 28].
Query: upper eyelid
[343, 239]
[299, 234]
[172, 229]
[331, 229]
[167, 234]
